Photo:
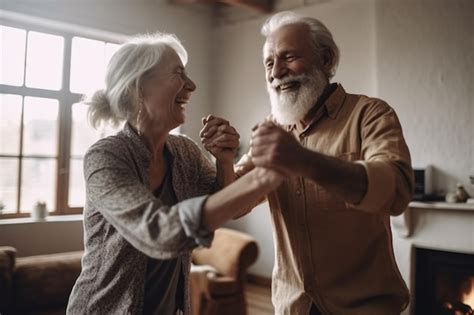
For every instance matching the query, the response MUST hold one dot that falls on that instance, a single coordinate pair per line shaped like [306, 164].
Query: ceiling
[259, 6]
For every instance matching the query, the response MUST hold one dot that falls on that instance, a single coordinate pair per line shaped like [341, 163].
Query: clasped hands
[273, 150]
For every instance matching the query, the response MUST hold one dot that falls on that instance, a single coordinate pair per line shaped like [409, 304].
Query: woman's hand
[219, 138]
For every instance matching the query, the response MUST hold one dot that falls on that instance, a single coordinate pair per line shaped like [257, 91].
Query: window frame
[65, 97]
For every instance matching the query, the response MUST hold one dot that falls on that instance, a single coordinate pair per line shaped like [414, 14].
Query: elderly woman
[151, 196]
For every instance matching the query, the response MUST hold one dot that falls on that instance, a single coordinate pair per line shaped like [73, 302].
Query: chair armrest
[231, 253]
[7, 265]
[210, 284]
[46, 280]
[223, 286]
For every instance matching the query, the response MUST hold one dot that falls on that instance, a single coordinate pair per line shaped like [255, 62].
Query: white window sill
[48, 219]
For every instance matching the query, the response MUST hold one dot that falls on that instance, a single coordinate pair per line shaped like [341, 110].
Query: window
[44, 131]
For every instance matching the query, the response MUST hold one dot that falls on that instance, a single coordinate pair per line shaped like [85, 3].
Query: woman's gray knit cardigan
[124, 223]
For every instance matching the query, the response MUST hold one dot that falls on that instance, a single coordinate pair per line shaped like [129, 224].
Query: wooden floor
[258, 300]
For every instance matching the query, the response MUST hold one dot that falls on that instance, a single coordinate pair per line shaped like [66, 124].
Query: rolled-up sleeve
[386, 159]
[190, 214]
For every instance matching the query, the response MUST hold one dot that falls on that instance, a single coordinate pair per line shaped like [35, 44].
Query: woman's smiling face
[166, 91]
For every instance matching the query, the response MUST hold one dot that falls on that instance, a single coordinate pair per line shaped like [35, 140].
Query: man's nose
[279, 70]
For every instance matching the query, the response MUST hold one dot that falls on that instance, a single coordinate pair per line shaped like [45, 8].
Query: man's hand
[268, 177]
[219, 138]
[274, 148]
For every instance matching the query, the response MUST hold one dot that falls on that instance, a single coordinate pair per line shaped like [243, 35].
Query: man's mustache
[298, 78]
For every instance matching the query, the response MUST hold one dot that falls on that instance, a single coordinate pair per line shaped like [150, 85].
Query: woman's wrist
[225, 162]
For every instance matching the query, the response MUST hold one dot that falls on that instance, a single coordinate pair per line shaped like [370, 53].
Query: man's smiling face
[294, 76]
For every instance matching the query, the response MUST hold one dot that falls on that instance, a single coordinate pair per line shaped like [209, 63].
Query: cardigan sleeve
[157, 230]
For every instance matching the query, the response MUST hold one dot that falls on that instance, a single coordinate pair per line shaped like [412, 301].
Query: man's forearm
[345, 179]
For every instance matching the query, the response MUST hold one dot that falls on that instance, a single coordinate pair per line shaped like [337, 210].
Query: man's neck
[330, 87]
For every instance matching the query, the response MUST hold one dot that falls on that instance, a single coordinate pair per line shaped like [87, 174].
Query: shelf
[404, 224]
[441, 205]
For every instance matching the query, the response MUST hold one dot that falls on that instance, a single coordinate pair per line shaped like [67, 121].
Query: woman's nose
[190, 85]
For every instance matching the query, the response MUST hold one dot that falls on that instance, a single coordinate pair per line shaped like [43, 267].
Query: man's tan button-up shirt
[336, 255]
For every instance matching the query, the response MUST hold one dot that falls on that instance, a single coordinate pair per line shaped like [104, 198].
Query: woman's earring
[140, 107]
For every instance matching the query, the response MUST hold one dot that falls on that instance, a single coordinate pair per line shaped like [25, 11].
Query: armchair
[218, 287]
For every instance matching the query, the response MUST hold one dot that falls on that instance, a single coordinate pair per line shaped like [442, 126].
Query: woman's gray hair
[124, 74]
[322, 39]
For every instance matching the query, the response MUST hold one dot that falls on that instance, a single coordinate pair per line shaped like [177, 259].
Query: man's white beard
[290, 107]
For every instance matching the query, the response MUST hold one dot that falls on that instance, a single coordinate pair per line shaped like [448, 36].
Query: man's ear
[327, 59]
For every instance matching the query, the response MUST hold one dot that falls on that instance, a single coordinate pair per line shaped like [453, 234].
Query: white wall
[416, 54]
[239, 85]
[40, 238]
[425, 70]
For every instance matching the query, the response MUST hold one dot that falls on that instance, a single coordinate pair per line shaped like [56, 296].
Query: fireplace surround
[444, 282]
[446, 231]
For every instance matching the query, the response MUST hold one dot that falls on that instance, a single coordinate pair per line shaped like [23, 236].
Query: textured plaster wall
[416, 54]
[425, 65]
[425, 70]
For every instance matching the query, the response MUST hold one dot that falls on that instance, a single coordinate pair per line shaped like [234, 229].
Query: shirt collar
[331, 106]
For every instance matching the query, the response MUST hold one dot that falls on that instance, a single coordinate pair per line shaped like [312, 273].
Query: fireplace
[444, 282]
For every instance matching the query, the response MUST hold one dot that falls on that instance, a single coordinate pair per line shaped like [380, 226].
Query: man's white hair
[124, 75]
[321, 37]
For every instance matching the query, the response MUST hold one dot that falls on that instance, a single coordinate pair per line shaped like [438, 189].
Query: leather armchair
[218, 274]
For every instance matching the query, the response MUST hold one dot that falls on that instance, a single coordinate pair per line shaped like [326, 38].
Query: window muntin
[44, 131]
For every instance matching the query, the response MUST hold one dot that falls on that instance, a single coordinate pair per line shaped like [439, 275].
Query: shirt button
[298, 192]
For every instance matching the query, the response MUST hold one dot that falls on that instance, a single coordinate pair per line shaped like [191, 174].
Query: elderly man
[347, 170]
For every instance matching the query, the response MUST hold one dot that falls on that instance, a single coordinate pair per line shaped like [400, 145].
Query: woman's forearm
[243, 193]
[225, 173]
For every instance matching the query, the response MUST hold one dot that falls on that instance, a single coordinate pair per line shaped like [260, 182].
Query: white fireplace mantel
[405, 225]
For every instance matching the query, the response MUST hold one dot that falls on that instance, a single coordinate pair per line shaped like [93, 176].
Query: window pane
[40, 133]
[76, 184]
[8, 184]
[87, 65]
[82, 137]
[38, 181]
[44, 61]
[12, 55]
[82, 134]
[10, 120]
